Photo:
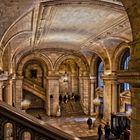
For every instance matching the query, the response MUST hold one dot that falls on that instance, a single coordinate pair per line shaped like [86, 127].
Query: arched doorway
[69, 95]
[34, 86]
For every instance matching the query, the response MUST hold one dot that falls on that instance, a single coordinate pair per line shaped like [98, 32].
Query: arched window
[26, 135]
[124, 66]
[100, 70]
[8, 131]
[125, 60]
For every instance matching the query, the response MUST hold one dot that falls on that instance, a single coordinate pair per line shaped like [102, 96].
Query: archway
[69, 95]
[34, 86]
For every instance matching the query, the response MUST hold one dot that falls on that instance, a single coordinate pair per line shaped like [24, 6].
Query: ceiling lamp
[65, 78]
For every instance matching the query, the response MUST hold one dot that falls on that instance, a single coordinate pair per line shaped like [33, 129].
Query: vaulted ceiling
[77, 25]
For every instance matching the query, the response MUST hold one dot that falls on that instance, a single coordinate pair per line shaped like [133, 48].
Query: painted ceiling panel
[75, 24]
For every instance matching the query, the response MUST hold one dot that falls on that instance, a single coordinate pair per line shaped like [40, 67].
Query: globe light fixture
[25, 104]
[96, 101]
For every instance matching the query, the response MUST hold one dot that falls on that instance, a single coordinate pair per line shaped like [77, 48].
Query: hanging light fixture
[65, 77]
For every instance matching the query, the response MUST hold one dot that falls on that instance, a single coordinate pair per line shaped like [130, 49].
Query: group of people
[68, 97]
[107, 131]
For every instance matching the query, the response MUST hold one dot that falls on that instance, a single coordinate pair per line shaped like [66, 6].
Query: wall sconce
[96, 101]
[25, 104]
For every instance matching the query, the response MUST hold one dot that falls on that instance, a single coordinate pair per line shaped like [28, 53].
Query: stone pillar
[110, 96]
[74, 84]
[1, 87]
[14, 89]
[135, 117]
[53, 95]
[10, 92]
[86, 94]
[92, 94]
[81, 88]
[19, 89]
[134, 67]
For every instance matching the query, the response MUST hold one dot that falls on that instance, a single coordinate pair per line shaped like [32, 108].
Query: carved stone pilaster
[92, 94]
[110, 95]
[53, 95]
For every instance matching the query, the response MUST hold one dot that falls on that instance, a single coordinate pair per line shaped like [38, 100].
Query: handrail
[33, 84]
[25, 120]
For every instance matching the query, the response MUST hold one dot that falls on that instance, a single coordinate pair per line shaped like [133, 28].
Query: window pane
[8, 131]
[26, 135]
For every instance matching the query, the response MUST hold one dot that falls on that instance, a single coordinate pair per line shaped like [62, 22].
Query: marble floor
[76, 126]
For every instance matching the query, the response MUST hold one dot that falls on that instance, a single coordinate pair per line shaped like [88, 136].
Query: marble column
[81, 88]
[1, 87]
[10, 92]
[53, 95]
[134, 80]
[86, 94]
[3, 80]
[135, 117]
[74, 84]
[92, 94]
[19, 90]
[110, 96]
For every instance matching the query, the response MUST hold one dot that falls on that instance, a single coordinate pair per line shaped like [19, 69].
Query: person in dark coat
[126, 134]
[60, 98]
[39, 117]
[100, 132]
[107, 131]
[89, 122]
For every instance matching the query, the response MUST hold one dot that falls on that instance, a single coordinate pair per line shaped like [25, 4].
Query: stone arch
[101, 51]
[36, 56]
[118, 54]
[80, 61]
[93, 63]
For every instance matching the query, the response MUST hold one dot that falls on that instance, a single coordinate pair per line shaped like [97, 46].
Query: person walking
[89, 122]
[107, 131]
[100, 132]
[126, 134]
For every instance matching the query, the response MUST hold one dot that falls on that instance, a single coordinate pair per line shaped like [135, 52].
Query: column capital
[109, 77]
[85, 77]
[134, 42]
[129, 76]
[92, 79]
[53, 77]
[19, 77]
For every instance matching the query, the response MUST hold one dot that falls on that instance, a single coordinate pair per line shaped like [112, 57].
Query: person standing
[100, 132]
[107, 131]
[89, 122]
[126, 134]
